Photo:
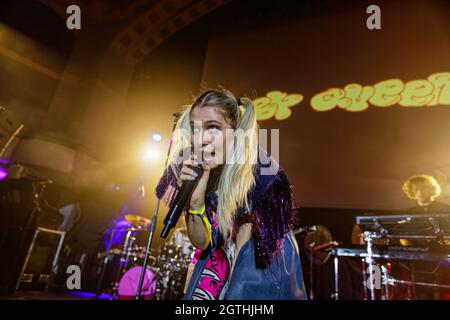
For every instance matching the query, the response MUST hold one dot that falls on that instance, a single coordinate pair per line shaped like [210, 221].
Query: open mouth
[209, 155]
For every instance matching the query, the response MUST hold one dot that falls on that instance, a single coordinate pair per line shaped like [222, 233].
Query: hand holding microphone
[193, 182]
[188, 174]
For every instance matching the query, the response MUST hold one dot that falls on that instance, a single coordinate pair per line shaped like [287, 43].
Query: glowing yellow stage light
[152, 154]
[157, 137]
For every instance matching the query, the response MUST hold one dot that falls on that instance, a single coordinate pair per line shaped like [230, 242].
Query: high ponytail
[181, 140]
[238, 176]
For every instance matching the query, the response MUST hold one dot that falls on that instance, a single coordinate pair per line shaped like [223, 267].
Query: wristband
[205, 220]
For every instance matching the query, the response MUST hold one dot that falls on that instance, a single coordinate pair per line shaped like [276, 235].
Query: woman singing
[242, 211]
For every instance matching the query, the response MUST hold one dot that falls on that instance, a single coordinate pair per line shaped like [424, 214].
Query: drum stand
[104, 263]
[124, 259]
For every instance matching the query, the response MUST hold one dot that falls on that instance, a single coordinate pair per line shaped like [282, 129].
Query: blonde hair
[237, 177]
[417, 182]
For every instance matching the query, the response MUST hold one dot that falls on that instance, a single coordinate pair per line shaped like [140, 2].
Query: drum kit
[165, 273]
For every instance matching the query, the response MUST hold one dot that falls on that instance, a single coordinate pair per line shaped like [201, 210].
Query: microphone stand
[154, 219]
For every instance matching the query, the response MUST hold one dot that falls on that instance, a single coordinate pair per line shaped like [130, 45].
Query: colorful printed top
[216, 273]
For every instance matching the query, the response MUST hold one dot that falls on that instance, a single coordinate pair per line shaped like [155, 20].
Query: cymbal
[113, 251]
[138, 221]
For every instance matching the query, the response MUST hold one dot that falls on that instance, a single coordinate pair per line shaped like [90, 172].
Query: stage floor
[61, 295]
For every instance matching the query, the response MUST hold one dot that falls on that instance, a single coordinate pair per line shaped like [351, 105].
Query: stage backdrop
[359, 111]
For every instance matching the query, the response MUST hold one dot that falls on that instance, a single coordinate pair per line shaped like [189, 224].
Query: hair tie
[239, 102]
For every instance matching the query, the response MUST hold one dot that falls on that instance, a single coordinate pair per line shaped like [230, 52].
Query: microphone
[326, 246]
[183, 196]
[305, 229]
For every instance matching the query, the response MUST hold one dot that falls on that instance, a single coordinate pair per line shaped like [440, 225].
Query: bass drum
[129, 283]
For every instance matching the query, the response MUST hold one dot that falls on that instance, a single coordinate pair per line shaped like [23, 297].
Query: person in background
[424, 189]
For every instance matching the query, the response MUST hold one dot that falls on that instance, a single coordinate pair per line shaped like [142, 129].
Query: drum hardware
[128, 255]
[164, 278]
[124, 258]
[172, 265]
[138, 222]
[165, 274]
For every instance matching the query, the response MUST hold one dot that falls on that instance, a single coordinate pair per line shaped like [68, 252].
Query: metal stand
[147, 253]
[336, 278]
[124, 259]
[154, 220]
[393, 281]
[36, 201]
[368, 238]
[385, 282]
[311, 275]
[103, 265]
[38, 231]
[364, 287]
